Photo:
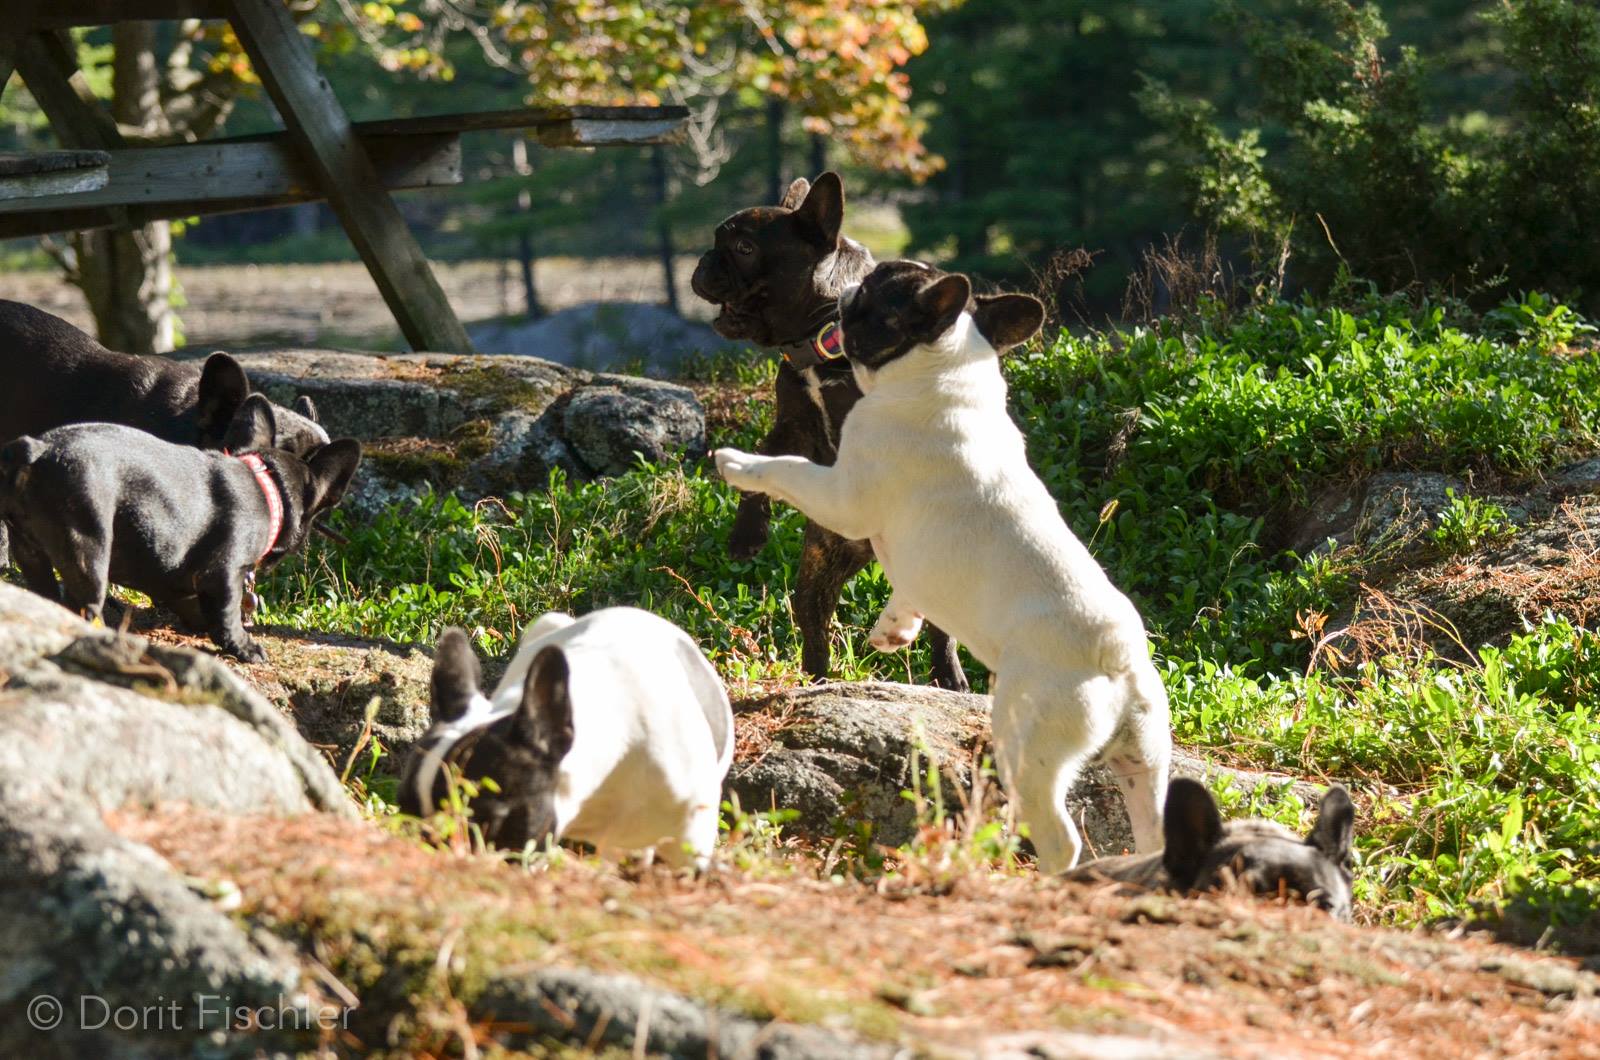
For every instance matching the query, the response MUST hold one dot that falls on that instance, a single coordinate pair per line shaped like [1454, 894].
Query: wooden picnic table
[100, 181]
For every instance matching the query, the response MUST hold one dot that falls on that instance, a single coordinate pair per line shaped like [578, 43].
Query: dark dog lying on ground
[1203, 853]
[777, 273]
[103, 503]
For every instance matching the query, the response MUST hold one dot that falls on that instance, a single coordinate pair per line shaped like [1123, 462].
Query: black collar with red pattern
[825, 347]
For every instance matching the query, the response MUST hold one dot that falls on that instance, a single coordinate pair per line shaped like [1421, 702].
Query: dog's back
[52, 374]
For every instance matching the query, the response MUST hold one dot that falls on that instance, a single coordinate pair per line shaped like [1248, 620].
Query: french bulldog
[612, 729]
[776, 273]
[1203, 853]
[52, 374]
[933, 472]
[102, 502]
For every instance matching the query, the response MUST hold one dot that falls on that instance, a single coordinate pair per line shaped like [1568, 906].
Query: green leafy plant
[1470, 523]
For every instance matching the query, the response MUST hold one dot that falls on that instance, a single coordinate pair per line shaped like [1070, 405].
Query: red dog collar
[269, 490]
[826, 345]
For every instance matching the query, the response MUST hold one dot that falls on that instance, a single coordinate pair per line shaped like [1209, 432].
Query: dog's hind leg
[1047, 727]
[38, 573]
[1139, 756]
[947, 671]
[827, 561]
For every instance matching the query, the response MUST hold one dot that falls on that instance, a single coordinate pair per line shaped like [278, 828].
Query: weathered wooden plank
[13, 31]
[604, 132]
[31, 163]
[519, 118]
[49, 64]
[48, 174]
[321, 129]
[269, 172]
[64, 14]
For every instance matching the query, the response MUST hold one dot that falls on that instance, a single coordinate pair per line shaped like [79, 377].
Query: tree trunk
[819, 154]
[775, 182]
[658, 162]
[523, 166]
[126, 275]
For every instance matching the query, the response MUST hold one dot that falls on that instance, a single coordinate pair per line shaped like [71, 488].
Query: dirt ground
[956, 965]
[338, 306]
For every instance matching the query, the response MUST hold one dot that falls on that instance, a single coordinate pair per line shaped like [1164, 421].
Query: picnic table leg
[320, 128]
[12, 33]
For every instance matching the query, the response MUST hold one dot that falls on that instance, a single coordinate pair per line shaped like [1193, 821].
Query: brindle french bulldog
[777, 272]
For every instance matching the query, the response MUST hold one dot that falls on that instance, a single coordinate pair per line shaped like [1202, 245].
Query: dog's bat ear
[943, 301]
[544, 719]
[253, 427]
[1192, 825]
[1335, 827]
[223, 388]
[796, 194]
[1008, 320]
[332, 466]
[305, 407]
[822, 212]
[455, 676]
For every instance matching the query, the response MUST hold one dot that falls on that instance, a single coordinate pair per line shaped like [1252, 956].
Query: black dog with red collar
[102, 503]
[777, 272]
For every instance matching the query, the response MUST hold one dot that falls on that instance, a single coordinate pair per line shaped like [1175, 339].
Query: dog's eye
[744, 246]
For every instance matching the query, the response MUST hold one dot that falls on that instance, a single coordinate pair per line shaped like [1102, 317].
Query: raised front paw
[894, 630]
[737, 468]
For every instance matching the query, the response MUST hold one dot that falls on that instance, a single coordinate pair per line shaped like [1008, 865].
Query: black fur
[1203, 852]
[777, 273]
[104, 503]
[52, 374]
[521, 753]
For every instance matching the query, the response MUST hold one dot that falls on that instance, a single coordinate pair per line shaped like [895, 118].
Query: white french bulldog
[933, 471]
[611, 728]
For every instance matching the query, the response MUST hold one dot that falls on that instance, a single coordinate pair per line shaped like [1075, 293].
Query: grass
[1180, 451]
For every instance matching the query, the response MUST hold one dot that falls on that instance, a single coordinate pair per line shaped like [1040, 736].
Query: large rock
[481, 425]
[91, 924]
[604, 336]
[843, 754]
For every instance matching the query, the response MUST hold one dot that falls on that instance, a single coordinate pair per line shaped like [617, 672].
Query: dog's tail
[16, 459]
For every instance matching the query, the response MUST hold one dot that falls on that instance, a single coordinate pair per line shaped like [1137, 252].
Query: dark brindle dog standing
[777, 273]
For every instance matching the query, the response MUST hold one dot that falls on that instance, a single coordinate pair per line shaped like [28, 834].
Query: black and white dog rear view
[1203, 853]
[612, 729]
[103, 503]
[932, 470]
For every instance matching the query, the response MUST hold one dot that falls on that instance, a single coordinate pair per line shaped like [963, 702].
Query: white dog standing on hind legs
[934, 472]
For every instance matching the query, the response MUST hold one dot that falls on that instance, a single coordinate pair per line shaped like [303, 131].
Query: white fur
[934, 472]
[652, 732]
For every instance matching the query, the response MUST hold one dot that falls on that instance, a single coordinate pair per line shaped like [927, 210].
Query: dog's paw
[746, 541]
[735, 466]
[892, 632]
[248, 652]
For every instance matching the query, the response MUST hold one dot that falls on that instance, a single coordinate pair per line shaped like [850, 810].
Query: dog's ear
[822, 212]
[332, 466]
[253, 427]
[1335, 827]
[943, 301]
[1192, 825]
[305, 407]
[1008, 320]
[544, 719]
[796, 194]
[223, 388]
[455, 676]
